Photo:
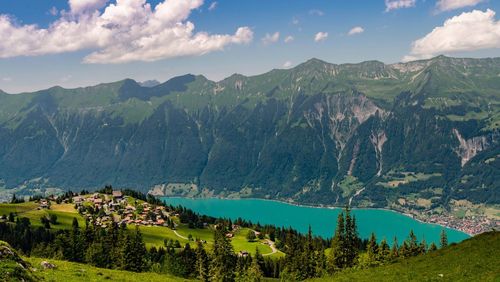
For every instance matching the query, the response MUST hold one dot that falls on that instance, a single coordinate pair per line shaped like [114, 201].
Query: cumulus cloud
[321, 36]
[128, 30]
[466, 32]
[356, 30]
[398, 4]
[212, 6]
[81, 6]
[271, 38]
[288, 39]
[447, 5]
[287, 64]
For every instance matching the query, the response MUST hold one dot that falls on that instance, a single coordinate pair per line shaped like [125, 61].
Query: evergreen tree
[336, 259]
[223, 261]
[413, 246]
[310, 257]
[134, 252]
[351, 241]
[372, 250]
[432, 247]
[254, 271]
[394, 249]
[384, 252]
[77, 245]
[251, 236]
[422, 247]
[443, 242]
[202, 262]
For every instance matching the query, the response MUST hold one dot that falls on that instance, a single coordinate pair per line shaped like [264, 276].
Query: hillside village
[103, 209]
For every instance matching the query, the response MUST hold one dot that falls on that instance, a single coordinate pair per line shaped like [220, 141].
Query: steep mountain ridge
[371, 134]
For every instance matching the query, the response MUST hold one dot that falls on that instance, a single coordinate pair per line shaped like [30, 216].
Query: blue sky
[228, 38]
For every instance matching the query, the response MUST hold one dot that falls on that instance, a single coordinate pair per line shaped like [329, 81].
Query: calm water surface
[322, 220]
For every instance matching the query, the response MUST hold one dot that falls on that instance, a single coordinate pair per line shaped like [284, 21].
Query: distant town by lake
[384, 223]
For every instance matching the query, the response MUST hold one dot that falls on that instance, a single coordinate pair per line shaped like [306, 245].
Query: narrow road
[179, 235]
[273, 247]
[356, 194]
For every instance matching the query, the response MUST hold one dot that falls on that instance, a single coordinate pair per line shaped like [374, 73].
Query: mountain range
[419, 134]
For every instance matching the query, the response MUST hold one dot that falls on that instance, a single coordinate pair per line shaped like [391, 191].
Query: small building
[243, 254]
[117, 194]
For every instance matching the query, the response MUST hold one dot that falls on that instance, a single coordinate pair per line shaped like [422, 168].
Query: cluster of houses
[106, 209]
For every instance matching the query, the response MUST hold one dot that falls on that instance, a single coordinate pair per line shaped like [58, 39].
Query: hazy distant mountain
[149, 83]
[318, 133]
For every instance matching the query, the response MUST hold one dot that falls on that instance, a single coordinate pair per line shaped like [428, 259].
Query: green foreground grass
[70, 271]
[475, 259]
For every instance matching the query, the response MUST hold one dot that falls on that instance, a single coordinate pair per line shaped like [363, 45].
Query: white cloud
[81, 6]
[466, 32]
[271, 38]
[320, 36]
[295, 21]
[6, 79]
[287, 64]
[447, 5]
[288, 39]
[356, 30]
[398, 4]
[212, 6]
[316, 12]
[53, 11]
[128, 30]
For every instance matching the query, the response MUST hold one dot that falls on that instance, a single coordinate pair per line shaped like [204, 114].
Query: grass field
[69, 271]
[64, 212]
[475, 259]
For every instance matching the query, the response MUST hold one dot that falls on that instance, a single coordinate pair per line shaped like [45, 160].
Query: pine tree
[255, 270]
[443, 242]
[351, 239]
[310, 259]
[134, 252]
[404, 250]
[202, 262]
[394, 249]
[372, 249]
[423, 247]
[384, 252]
[336, 258]
[223, 262]
[432, 247]
[413, 244]
[77, 245]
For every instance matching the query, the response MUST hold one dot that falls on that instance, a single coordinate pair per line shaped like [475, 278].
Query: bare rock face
[469, 148]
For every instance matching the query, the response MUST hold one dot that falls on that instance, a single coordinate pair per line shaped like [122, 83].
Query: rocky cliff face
[318, 133]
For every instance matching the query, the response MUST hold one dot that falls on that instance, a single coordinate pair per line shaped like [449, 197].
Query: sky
[74, 43]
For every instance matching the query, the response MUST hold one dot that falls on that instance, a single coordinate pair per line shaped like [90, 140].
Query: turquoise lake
[383, 223]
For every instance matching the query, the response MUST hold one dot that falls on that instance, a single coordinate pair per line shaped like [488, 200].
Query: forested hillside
[419, 134]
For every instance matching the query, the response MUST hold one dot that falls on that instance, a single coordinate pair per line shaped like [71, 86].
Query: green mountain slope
[475, 259]
[415, 135]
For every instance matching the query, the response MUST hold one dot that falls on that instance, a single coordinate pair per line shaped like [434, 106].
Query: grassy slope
[69, 271]
[475, 259]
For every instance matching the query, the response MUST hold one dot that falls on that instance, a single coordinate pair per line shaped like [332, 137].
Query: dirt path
[273, 247]
[179, 235]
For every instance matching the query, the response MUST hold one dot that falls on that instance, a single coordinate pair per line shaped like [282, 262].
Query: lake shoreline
[323, 207]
